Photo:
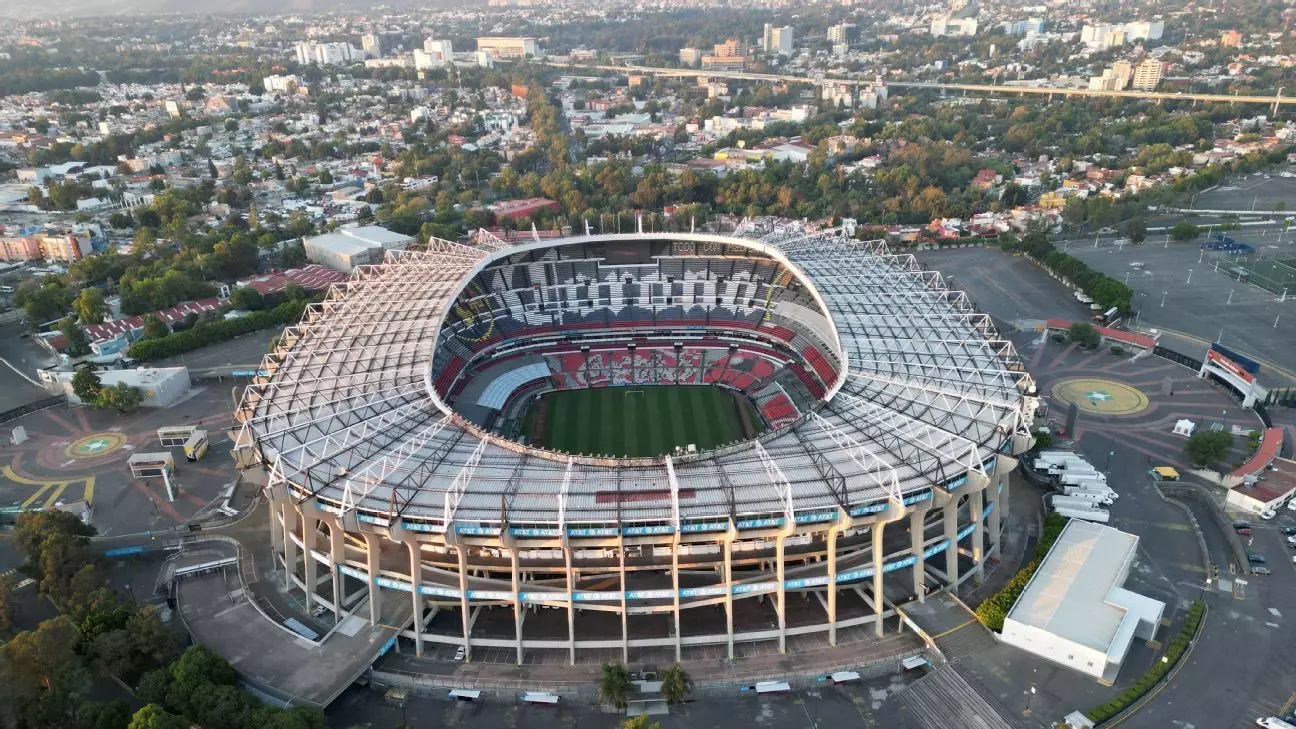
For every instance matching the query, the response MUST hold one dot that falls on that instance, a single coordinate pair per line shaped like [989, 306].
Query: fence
[31, 407]
[1173, 356]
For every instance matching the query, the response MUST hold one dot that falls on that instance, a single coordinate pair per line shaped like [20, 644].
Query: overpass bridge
[1274, 101]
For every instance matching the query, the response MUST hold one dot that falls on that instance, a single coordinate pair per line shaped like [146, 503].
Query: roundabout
[94, 445]
[1100, 396]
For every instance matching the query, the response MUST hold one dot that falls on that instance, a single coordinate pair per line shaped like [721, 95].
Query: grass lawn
[639, 420]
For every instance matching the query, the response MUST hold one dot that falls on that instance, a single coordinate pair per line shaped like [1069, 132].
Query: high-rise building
[508, 47]
[842, 33]
[1030, 26]
[730, 48]
[1114, 78]
[325, 54]
[436, 53]
[1147, 74]
[1103, 36]
[690, 56]
[372, 45]
[777, 39]
[948, 25]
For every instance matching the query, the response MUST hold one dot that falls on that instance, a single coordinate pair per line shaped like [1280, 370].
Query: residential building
[777, 39]
[730, 48]
[281, 84]
[724, 63]
[1030, 26]
[1102, 36]
[372, 45]
[20, 248]
[945, 24]
[1147, 74]
[508, 46]
[63, 248]
[441, 50]
[1117, 77]
[842, 33]
[1231, 39]
[325, 54]
[690, 56]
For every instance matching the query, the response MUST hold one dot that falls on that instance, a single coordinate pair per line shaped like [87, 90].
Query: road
[1050, 92]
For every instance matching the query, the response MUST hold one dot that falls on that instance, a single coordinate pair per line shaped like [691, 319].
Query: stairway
[964, 640]
[944, 699]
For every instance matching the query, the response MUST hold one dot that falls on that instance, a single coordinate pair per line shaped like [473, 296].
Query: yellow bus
[196, 447]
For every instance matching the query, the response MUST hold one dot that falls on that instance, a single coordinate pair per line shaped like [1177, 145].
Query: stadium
[636, 444]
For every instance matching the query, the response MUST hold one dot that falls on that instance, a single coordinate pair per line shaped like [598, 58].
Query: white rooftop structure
[1075, 610]
[354, 411]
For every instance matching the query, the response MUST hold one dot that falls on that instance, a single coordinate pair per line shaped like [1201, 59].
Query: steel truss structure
[928, 399]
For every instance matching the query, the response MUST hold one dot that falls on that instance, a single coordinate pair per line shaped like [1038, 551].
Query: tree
[640, 722]
[1206, 447]
[121, 397]
[40, 664]
[90, 306]
[7, 583]
[1184, 231]
[325, 177]
[247, 298]
[1136, 230]
[78, 343]
[676, 684]
[153, 716]
[242, 173]
[1084, 334]
[154, 328]
[613, 685]
[86, 385]
[211, 169]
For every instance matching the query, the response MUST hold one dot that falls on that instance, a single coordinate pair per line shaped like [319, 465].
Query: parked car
[1289, 530]
[459, 653]
[1261, 571]
[1241, 525]
[1256, 558]
[1268, 514]
[1246, 532]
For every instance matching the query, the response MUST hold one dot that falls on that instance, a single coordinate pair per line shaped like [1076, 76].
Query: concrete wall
[1055, 648]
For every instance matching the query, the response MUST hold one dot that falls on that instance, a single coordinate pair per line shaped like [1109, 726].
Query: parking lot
[1179, 287]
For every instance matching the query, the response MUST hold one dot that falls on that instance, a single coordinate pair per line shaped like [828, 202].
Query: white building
[508, 46]
[1075, 610]
[1102, 36]
[945, 24]
[325, 54]
[439, 49]
[372, 45]
[161, 386]
[345, 248]
[841, 33]
[281, 84]
[778, 40]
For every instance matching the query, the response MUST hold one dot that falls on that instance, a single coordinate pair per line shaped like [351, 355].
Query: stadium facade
[400, 486]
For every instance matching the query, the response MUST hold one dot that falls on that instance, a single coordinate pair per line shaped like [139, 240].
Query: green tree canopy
[1207, 447]
[86, 385]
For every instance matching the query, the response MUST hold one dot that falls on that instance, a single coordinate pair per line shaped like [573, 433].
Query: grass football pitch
[639, 421]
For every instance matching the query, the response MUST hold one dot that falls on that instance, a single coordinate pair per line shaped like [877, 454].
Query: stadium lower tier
[742, 585]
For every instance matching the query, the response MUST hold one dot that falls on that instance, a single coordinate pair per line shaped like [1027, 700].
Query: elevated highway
[1273, 101]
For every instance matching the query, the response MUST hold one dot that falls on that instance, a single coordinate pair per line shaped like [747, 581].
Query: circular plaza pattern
[1100, 396]
[95, 445]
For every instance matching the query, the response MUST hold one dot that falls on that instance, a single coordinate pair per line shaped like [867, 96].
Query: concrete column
[416, 579]
[290, 547]
[879, 596]
[917, 537]
[781, 595]
[310, 527]
[728, 587]
[950, 516]
[517, 600]
[976, 505]
[372, 565]
[276, 523]
[625, 616]
[996, 514]
[843, 523]
[571, 604]
[337, 552]
[675, 585]
[462, 551]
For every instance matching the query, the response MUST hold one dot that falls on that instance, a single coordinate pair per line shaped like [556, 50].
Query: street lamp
[1190, 275]
[1164, 294]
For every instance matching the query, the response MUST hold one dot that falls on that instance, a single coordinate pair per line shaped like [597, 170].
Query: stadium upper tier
[915, 387]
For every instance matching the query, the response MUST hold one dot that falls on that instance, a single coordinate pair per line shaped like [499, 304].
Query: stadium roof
[928, 392]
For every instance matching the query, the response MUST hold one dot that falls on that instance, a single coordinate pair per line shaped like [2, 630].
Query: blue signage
[123, 551]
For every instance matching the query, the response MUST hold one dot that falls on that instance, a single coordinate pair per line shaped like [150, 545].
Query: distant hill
[88, 8]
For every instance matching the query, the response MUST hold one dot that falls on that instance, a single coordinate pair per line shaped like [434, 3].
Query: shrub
[1117, 350]
[219, 330]
[995, 609]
